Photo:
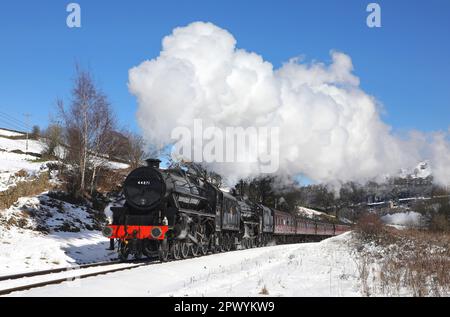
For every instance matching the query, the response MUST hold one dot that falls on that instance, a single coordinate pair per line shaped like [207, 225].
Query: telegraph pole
[27, 120]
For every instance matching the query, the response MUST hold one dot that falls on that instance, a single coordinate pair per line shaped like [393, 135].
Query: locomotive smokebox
[153, 162]
[145, 187]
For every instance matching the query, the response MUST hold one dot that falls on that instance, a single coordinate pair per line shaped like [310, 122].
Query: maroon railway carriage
[325, 229]
[284, 227]
[284, 223]
[340, 229]
[305, 227]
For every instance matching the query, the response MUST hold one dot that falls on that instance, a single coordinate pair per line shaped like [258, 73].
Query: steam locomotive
[173, 214]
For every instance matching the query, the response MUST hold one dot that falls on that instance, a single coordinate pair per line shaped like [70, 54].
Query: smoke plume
[330, 129]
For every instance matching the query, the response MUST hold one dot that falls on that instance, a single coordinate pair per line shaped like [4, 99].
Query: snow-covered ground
[26, 250]
[12, 163]
[310, 269]
[46, 214]
[9, 133]
[40, 232]
[13, 159]
[9, 145]
[404, 263]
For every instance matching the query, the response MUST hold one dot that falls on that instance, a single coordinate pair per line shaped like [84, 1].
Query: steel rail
[60, 280]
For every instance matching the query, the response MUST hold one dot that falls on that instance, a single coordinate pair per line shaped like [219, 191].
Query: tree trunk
[94, 174]
[84, 153]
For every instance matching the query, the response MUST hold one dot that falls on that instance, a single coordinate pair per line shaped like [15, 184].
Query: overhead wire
[13, 122]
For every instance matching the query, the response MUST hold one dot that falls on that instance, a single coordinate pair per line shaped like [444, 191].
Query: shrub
[264, 291]
[405, 262]
[66, 197]
[439, 222]
[23, 189]
[110, 180]
[21, 173]
[369, 225]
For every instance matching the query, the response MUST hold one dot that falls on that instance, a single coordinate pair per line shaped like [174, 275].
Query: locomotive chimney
[153, 163]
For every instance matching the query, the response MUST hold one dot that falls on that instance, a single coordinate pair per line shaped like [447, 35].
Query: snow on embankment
[14, 161]
[15, 168]
[13, 157]
[310, 269]
[26, 250]
[40, 232]
[15, 165]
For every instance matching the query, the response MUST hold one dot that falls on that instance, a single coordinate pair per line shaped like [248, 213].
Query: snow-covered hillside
[34, 146]
[26, 250]
[40, 232]
[311, 213]
[10, 133]
[11, 164]
[13, 157]
[15, 165]
[310, 269]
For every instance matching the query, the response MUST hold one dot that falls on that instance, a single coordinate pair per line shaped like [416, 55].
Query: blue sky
[405, 64]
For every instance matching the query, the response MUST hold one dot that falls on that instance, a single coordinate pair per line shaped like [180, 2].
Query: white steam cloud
[330, 129]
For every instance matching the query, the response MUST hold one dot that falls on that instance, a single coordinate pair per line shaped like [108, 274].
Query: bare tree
[89, 124]
[199, 170]
[135, 149]
[103, 144]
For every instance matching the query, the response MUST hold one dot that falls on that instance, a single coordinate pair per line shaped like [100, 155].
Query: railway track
[29, 280]
[26, 281]
[56, 270]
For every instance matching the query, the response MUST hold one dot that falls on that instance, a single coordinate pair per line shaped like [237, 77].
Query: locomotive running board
[197, 213]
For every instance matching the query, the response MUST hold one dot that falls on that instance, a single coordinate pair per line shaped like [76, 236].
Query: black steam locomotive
[174, 214]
